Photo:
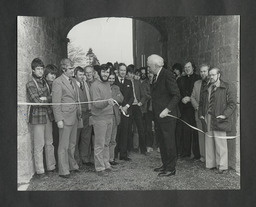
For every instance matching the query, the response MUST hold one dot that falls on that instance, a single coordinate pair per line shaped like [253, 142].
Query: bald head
[155, 63]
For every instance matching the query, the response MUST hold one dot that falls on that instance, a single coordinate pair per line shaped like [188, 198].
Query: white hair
[156, 59]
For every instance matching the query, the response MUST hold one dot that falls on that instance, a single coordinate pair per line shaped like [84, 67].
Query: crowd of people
[98, 114]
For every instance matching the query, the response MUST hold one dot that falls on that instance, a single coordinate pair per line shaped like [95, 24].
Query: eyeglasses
[212, 75]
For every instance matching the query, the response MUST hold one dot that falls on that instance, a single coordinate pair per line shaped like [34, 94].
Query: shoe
[65, 176]
[125, 158]
[75, 171]
[51, 171]
[150, 149]
[184, 156]
[145, 153]
[102, 173]
[212, 168]
[202, 159]
[89, 164]
[167, 173]
[196, 159]
[41, 176]
[113, 163]
[111, 169]
[136, 150]
[159, 169]
[221, 171]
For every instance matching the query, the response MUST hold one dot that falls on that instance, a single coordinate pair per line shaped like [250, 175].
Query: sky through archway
[109, 38]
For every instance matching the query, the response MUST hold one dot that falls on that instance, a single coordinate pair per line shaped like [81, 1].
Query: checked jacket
[37, 88]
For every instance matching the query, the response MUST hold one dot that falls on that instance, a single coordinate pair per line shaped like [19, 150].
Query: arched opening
[112, 40]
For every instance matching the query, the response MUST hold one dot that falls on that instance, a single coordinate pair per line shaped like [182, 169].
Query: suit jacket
[127, 91]
[117, 95]
[186, 84]
[195, 96]
[62, 92]
[147, 94]
[141, 96]
[84, 96]
[165, 94]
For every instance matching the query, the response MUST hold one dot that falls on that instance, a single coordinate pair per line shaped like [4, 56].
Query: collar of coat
[222, 85]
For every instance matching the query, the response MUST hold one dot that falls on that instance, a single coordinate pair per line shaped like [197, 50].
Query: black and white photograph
[128, 103]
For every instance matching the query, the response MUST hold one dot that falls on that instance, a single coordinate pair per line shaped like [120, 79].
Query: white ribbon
[208, 135]
[86, 102]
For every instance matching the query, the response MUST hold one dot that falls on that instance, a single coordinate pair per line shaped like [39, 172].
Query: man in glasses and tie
[64, 90]
[217, 104]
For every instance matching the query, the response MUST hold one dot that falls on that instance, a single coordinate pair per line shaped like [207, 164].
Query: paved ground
[138, 175]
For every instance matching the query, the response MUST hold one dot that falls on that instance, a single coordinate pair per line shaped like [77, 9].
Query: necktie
[154, 79]
[134, 94]
[211, 102]
[71, 82]
[122, 80]
[81, 86]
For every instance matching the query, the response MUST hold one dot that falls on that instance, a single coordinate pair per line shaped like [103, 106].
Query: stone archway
[153, 24]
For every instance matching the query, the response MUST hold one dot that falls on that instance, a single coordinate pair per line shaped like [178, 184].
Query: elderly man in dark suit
[64, 90]
[165, 98]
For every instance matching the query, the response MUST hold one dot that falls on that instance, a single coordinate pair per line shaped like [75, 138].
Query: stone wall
[37, 37]
[213, 40]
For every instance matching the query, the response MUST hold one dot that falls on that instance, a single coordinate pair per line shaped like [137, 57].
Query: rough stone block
[211, 41]
[208, 57]
[225, 55]
[209, 20]
[230, 32]
[23, 78]
[25, 159]
[22, 124]
[226, 19]
[216, 24]
[202, 22]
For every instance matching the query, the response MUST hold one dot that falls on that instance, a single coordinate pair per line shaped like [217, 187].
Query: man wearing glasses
[64, 90]
[217, 104]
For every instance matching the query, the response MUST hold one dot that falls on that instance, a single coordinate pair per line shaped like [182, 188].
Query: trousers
[102, 131]
[112, 143]
[216, 149]
[43, 140]
[201, 137]
[83, 152]
[166, 135]
[66, 150]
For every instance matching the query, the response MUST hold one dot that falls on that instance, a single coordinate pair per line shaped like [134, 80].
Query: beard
[103, 79]
[143, 77]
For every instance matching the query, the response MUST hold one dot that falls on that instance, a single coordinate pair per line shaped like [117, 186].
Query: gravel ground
[139, 175]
